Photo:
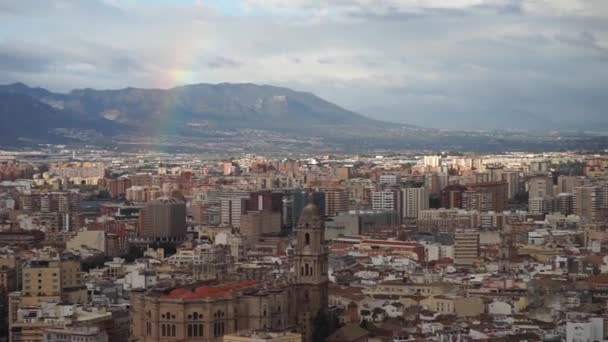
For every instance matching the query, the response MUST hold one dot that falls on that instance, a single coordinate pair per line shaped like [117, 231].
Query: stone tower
[309, 296]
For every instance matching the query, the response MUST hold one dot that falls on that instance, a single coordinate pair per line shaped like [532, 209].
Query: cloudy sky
[438, 63]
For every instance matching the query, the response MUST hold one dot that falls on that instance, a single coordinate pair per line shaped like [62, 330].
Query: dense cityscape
[303, 171]
[106, 246]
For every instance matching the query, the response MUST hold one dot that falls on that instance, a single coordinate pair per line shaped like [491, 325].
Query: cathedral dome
[310, 210]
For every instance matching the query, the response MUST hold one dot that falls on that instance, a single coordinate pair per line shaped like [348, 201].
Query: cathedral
[204, 312]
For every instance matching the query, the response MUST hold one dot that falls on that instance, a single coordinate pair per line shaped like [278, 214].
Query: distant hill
[215, 106]
[234, 117]
[25, 119]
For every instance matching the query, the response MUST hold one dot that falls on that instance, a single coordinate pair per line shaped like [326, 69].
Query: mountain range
[32, 113]
[233, 117]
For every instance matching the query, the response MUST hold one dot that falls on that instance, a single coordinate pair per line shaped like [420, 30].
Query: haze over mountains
[227, 116]
[178, 110]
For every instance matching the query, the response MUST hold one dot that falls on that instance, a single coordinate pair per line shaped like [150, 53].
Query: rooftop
[213, 291]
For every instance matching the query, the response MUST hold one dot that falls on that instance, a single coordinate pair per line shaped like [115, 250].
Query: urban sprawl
[105, 246]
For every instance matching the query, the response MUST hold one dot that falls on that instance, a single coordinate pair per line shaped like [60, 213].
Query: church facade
[206, 312]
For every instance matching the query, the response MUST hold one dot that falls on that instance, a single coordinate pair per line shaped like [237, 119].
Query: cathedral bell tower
[310, 266]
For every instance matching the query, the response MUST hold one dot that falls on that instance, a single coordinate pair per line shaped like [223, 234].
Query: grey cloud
[222, 62]
[491, 65]
[18, 58]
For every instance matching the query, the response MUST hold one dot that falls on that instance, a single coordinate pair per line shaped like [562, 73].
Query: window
[307, 238]
[195, 330]
[218, 329]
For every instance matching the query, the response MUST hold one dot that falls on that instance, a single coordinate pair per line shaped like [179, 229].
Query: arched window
[307, 238]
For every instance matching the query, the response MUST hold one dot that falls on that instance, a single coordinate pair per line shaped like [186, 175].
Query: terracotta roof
[221, 290]
[391, 242]
[598, 279]
[349, 332]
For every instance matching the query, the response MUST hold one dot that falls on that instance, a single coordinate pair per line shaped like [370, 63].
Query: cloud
[457, 63]
[222, 62]
[23, 59]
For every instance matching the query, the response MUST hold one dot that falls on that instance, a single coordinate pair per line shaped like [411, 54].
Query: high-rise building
[466, 246]
[564, 203]
[541, 205]
[165, 219]
[229, 168]
[514, 183]
[540, 166]
[259, 222]
[388, 200]
[540, 186]
[343, 173]
[414, 201]
[62, 207]
[432, 182]
[232, 205]
[287, 211]
[587, 201]
[451, 196]
[498, 193]
[264, 201]
[58, 279]
[200, 212]
[115, 187]
[432, 161]
[389, 178]
[480, 201]
[336, 201]
[568, 183]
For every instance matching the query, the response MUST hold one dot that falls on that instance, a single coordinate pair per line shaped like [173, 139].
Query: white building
[586, 330]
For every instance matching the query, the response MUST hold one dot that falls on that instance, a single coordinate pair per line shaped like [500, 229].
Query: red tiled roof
[393, 243]
[221, 290]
